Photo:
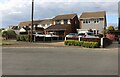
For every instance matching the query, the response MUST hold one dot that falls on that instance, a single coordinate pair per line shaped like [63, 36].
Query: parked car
[72, 35]
[87, 35]
[38, 34]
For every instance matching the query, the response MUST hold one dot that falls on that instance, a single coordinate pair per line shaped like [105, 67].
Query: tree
[5, 35]
[9, 34]
[111, 29]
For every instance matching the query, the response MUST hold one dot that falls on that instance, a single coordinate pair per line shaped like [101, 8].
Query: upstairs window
[83, 21]
[65, 21]
[86, 21]
[96, 21]
[57, 22]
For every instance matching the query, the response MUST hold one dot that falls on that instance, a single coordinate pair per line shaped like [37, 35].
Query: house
[64, 24]
[38, 25]
[45, 23]
[93, 20]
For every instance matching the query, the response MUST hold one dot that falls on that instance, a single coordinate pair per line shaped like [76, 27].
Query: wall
[99, 26]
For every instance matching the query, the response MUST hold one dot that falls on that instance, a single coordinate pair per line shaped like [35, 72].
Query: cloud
[16, 11]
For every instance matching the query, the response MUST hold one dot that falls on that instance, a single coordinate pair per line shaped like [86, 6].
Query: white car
[38, 34]
[51, 35]
[72, 35]
[87, 35]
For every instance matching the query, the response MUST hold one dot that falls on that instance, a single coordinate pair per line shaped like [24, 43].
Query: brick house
[93, 20]
[64, 24]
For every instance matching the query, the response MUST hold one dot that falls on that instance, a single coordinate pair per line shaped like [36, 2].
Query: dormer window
[66, 21]
[57, 22]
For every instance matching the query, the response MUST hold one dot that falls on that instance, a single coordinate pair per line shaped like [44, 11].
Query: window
[57, 22]
[101, 19]
[89, 21]
[94, 21]
[86, 21]
[97, 20]
[43, 24]
[65, 21]
[83, 21]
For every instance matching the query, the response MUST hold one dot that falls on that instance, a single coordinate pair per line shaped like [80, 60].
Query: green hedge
[81, 43]
[90, 44]
[73, 42]
[22, 38]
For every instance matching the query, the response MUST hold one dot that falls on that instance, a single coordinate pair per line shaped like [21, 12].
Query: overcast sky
[14, 11]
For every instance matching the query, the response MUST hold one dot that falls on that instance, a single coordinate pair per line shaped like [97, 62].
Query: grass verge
[7, 43]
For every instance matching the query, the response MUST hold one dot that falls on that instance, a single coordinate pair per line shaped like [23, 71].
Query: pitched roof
[65, 16]
[46, 21]
[57, 27]
[28, 23]
[93, 14]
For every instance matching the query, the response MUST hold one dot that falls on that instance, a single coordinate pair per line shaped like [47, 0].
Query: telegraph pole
[119, 16]
[31, 39]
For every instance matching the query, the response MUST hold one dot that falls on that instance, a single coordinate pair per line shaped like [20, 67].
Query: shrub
[18, 38]
[22, 38]
[90, 44]
[9, 34]
[78, 43]
[26, 37]
[69, 42]
[82, 43]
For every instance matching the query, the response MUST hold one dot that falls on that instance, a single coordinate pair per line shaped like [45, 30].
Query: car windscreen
[72, 34]
[39, 33]
[81, 34]
[91, 34]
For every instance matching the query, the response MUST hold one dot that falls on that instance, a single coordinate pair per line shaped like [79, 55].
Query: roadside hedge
[82, 43]
[22, 38]
[90, 44]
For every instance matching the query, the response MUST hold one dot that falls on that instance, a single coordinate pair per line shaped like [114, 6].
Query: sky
[12, 12]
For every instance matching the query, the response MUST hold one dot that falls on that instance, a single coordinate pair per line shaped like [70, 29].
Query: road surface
[59, 61]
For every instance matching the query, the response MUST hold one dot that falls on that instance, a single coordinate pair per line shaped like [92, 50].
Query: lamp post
[32, 14]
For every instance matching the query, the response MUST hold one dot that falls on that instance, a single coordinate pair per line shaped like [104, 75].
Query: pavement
[20, 44]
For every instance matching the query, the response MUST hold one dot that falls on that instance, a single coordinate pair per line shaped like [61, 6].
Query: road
[59, 61]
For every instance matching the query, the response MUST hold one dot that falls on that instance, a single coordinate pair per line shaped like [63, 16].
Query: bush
[22, 38]
[69, 42]
[18, 38]
[90, 44]
[82, 43]
[78, 43]
[9, 34]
